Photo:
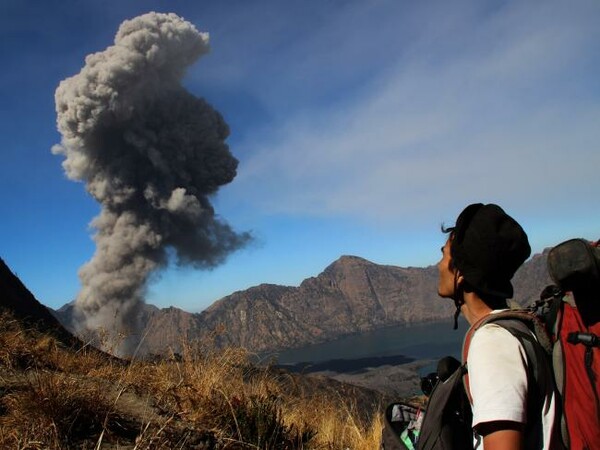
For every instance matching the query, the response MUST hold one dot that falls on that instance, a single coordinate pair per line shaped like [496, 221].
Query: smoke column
[151, 154]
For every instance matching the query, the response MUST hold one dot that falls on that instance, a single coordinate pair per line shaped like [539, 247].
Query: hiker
[510, 410]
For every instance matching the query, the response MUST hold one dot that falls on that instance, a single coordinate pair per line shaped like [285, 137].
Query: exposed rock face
[352, 295]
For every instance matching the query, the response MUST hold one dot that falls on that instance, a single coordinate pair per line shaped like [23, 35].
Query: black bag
[446, 424]
[447, 421]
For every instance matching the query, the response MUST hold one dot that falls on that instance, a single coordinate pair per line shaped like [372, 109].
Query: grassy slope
[53, 397]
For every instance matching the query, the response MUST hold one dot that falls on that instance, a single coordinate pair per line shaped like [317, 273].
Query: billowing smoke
[151, 154]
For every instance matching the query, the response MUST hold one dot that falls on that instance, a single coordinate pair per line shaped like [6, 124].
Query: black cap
[488, 246]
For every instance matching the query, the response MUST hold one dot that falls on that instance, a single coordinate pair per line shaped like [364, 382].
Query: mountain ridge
[351, 295]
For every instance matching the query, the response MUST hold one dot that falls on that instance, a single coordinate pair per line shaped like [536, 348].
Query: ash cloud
[151, 154]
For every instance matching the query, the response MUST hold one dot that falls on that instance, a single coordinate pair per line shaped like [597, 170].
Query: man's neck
[474, 308]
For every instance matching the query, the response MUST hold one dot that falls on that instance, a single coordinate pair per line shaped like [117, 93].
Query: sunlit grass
[52, 397]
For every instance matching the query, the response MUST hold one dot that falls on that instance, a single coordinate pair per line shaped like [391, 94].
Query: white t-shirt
[497, 365]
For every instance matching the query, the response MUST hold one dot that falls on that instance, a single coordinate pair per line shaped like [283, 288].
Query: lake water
[392, 345]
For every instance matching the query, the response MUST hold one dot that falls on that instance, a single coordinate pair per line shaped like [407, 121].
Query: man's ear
[459, 278]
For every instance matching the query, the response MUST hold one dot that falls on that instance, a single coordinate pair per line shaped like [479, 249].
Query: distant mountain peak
[352, 258]
[345, 261]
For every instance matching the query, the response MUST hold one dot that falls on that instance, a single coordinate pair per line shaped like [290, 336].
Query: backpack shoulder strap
[519, 323]
[532, 335]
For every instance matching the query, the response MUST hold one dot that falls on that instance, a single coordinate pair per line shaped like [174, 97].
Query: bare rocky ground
[394, 382]
[395, 377]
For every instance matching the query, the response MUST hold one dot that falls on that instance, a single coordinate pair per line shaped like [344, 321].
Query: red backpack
[574, 311]
[569, 315]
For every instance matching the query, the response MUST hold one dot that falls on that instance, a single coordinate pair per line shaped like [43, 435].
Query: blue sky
[360, 127]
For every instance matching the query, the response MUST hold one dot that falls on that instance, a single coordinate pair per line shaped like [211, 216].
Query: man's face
[446, 273]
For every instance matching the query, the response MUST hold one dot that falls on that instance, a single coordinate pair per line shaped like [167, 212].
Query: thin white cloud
[475, 106]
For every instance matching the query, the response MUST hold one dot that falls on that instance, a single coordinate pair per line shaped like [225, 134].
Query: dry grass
[54, 398]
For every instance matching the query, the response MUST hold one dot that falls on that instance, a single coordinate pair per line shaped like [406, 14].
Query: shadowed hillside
[16, 300]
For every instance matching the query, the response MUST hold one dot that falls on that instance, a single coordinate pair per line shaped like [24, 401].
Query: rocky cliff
[352, 295]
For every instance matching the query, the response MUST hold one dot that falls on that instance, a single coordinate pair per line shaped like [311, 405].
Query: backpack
[447, 424]
[531, 332]
[447, 421]
[448, 418]
[565, 355]
[571, 312]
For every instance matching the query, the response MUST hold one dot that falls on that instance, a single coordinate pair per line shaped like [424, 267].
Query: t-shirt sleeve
[497, 365]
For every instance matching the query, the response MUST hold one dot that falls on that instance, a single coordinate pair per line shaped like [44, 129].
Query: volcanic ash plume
[152, 154]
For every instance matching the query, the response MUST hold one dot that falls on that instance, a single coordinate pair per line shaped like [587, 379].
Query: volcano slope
[57, 392]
